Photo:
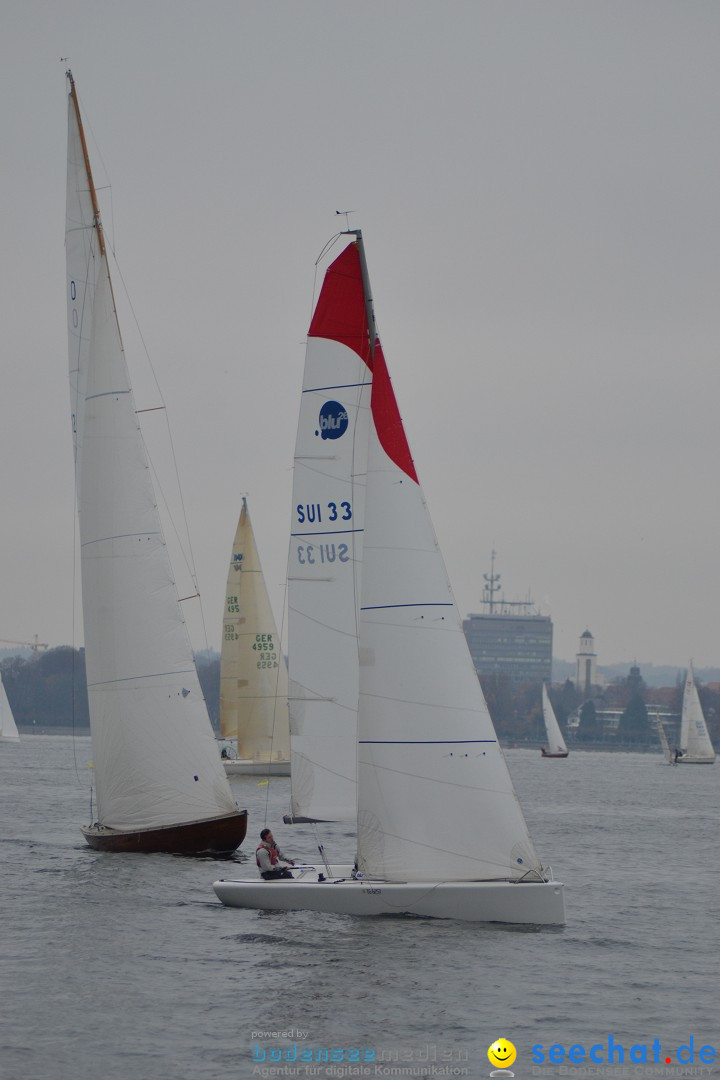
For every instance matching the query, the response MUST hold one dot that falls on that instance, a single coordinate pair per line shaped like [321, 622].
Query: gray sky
[539, 188]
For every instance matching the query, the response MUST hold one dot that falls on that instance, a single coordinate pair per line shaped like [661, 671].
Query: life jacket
[272, 852]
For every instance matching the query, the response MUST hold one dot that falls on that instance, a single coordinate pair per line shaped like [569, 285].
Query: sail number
[315, 554]
[315, 513]
[264, 644]
[232, 605]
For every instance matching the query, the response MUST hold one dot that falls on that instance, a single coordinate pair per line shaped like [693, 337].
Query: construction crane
[35, 645]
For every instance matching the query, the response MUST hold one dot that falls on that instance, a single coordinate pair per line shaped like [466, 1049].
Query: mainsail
[155, 757]
[555, 742]
[326, 548]
[8, 727]
[695, 742]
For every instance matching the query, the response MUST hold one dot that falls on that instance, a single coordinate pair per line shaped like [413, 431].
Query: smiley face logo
[502, 1053]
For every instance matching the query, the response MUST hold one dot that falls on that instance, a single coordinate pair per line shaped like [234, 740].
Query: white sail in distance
[253, 673]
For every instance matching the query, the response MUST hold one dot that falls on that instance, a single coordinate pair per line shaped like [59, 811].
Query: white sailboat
[160, 784]
[556, 747]
[696, 747]
[439, 829]
[253, 674]
[8, 728]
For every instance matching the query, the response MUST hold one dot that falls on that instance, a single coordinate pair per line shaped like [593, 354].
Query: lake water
[124, 967]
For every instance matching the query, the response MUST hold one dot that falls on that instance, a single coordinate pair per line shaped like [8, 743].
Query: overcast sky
[539, 188]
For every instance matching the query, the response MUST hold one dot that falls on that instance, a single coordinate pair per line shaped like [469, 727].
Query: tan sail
[253, 673]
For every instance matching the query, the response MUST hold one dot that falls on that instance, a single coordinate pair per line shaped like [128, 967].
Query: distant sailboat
[696, 747]
[440, 831]
[556, 747]
[8, 727]
[662, 735]
[253, 673]
[160, 784]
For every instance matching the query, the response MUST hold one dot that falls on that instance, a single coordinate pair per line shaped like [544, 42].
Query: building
[516, 645]
[509, 638]
[586, 664]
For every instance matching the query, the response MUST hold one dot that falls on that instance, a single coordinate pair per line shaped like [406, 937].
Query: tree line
[49, 689]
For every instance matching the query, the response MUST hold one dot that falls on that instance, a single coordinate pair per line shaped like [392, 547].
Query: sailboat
[440, 832]
[8, 727]
[160, 784]
[670, 758]
[253, 674]
[556, 747]
[696, 747]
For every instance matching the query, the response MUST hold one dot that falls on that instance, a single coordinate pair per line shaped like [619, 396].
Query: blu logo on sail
[333, 420]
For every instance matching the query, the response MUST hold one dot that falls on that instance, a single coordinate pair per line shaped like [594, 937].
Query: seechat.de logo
[333, 420]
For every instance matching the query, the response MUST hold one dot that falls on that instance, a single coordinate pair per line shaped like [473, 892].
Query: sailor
[267, 856]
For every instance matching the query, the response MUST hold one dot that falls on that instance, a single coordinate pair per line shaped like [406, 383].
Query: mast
[367, 293]
[86, 157]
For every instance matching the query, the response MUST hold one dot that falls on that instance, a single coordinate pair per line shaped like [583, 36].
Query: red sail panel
[386, 416]
[340, 313]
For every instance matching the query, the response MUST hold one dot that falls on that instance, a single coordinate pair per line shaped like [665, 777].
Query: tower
[586, 664]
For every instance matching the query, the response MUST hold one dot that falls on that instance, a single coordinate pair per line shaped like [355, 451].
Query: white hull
[248, 767]
[695, 761]
[529, 903]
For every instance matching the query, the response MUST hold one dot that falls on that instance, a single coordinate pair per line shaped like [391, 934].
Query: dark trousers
[277, 875]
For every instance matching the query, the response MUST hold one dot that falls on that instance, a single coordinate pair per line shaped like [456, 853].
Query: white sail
[555, 741]
[695, 742]
[8, 727]
[253, 673]
[155, 757]
[662, 735]
[435, 798]
[326, 550]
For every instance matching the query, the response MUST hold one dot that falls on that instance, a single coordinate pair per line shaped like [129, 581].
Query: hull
[248, 767]
[545, 753]
[529, 903]
[219, 836]
[695, 761]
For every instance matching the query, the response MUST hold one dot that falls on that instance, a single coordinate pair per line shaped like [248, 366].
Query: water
[127, 968]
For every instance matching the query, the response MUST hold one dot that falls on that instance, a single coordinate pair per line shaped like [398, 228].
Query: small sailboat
[662, 735]
[439, 828]
[696, 747]
[253, 674]
[160, 784]
[8, 728]
[556, 747]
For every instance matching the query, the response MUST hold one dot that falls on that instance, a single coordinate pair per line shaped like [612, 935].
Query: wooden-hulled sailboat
[160, 784]
[439, 829]
[8, 728]
[253, 673]
[556, 747]
[696, 747]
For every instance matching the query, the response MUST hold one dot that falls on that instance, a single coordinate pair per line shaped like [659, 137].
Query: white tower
[586, 666]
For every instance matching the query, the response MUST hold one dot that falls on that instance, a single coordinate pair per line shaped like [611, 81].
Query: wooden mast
[86, 157]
